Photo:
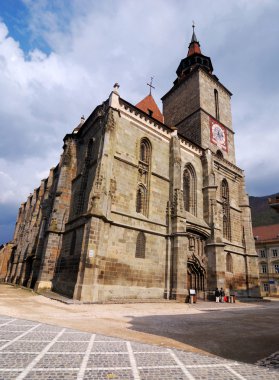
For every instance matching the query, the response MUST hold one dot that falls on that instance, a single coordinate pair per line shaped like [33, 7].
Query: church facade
[143, 204]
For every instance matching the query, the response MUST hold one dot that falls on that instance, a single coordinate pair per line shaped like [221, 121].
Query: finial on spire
[150, 85]
[194, 38]
[194, 46]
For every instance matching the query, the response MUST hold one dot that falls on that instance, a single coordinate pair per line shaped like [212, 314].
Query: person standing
[222, 294]
[217, 295]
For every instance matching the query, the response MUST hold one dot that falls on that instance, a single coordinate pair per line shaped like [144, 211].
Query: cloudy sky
[59, 59]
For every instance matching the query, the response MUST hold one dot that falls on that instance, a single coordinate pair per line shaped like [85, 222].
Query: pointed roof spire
[194, 59]
[194, 37]
[194, 46]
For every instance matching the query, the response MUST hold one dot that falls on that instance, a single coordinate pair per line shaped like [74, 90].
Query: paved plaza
[42, 338]
[32, 350]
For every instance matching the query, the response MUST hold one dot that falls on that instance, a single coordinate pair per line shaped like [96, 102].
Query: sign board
[192, 292]
[271, 281]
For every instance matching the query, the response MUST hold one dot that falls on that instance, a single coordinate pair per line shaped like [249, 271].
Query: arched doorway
[195, 275]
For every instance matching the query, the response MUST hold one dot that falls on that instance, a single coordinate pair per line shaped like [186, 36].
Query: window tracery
[84, 178]
[143, 176]
[226, 210]
[189, 189]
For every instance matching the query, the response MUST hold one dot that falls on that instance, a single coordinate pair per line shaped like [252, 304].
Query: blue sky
[59, 59]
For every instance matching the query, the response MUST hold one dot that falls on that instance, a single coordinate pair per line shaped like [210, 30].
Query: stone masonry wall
[182, 101]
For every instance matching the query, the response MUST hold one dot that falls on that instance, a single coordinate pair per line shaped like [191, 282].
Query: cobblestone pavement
[31, 350]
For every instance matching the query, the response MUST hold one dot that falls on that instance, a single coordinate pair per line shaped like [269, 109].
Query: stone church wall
[207, 85]
[126, 276]
[177, 106]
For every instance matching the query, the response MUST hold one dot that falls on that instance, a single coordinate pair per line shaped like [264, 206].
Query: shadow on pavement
[245, 335]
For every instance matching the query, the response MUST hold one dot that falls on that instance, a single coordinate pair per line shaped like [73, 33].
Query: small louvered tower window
[216, 98]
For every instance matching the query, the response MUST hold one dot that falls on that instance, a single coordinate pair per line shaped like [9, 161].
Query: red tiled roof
[270, 232]
[149, 106]
[194, 48]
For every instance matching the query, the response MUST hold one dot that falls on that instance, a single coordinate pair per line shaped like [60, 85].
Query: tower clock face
[218, 134]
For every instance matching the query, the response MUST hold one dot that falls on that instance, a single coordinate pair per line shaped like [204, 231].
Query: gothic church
[143, 204]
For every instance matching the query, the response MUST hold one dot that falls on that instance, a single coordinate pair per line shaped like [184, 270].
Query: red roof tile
[149, 106]
[266, 232]
[194, 48]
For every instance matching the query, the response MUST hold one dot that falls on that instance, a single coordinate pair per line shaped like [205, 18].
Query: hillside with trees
[262, 213]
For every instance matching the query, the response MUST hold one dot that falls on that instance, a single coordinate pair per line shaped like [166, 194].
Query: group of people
[220, 295]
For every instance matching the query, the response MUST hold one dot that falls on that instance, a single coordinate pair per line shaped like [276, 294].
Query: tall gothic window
[226, 209]
[140, 246]
[144, 168]
[141, 200]
[216, 98]
[190, 189]
[84, 178]
[229, 263]
[145, 151]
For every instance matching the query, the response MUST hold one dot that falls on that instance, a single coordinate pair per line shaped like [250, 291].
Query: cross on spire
[150, 85]
[194, 38]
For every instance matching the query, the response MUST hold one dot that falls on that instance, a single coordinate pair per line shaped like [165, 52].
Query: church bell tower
[198, 104]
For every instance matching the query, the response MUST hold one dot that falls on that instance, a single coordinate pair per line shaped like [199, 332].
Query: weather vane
[150, 85]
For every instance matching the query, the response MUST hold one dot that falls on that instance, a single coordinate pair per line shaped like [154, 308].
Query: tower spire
[194, 38]
[194, 59]
[194, 46]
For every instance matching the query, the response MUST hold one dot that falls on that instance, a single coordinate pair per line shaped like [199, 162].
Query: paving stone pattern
[31, 350]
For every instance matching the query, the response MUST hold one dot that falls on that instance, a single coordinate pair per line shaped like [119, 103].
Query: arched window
[141, 200]
[145, 151]
[84, 178]
[226, 227]
[140, 246]
[229, 263]
[144, 168]
[216, 98]
[224, 191]
[226, 209]
[190, 189]
[219, 154]
[73, 243]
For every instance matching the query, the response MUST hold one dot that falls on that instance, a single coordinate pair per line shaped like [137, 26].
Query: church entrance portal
[195, 275]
